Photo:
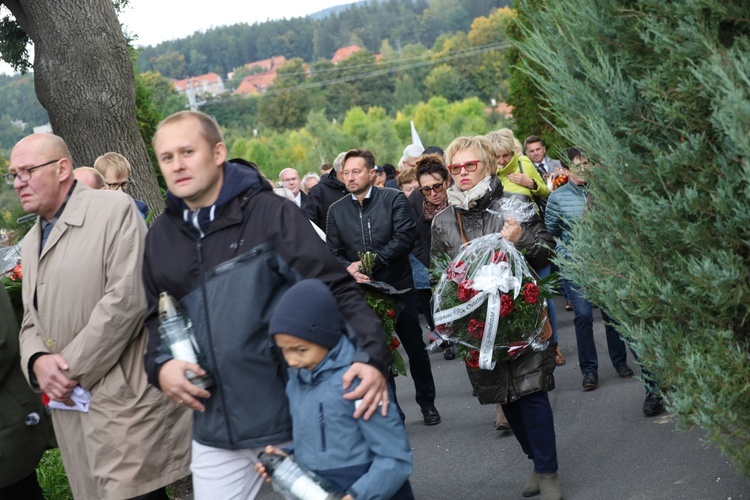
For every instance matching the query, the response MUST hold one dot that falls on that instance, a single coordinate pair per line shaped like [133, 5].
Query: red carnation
[473, 360]
[476, 328]
[499, 256]
[530, 293]
[456, 271]
[391, 313]
[16, 273]
[465, 292]
[506, 305]
[394, 344]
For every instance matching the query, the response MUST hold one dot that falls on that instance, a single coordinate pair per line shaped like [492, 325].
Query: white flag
[415, 136]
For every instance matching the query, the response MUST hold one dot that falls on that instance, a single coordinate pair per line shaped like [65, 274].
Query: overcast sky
[154, 21]
[157, 20]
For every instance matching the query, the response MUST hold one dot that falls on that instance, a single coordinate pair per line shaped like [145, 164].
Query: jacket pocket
[321, 417]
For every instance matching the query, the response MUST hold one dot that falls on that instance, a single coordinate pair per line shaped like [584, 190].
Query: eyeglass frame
[439, 187]
[117, 185]
[10, 178]
[453, 166]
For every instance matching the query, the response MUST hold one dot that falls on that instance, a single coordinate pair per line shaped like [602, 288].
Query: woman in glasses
[433, 180]
[471, 163]
[519, 386]
[427, 201]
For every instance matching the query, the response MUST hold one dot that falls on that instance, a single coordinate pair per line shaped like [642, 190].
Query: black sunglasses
[435, 187]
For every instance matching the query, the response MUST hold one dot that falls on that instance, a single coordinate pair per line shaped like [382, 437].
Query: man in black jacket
[379, 220]
[227, 248]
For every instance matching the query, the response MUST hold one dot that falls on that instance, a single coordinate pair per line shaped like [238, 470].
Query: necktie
[45, 234]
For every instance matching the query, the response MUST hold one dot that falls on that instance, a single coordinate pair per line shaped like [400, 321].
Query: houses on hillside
[344, 52]
[208, 84]
[259, 82]
[264, 74]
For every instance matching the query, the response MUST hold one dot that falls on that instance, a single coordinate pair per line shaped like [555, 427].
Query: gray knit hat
[308, 311]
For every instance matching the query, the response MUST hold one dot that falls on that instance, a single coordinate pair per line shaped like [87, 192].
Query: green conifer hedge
[657, 93]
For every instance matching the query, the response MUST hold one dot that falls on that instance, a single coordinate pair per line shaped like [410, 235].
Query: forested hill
[367, 24]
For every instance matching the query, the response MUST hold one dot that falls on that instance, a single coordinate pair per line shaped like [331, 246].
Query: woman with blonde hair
[521, 179]
[517, 172]
[518, 386]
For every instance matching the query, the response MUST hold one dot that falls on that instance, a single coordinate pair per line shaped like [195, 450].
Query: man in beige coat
[83, 330]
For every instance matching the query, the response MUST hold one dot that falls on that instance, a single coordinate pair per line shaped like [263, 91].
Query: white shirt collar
[369, 192]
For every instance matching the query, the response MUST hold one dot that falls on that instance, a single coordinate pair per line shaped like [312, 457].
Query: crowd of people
[273, 286]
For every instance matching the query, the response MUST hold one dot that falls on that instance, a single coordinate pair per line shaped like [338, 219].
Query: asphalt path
[606, 447]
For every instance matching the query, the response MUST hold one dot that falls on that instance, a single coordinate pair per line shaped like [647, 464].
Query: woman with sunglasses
[427, 201]
[519, 386]
[433, 182]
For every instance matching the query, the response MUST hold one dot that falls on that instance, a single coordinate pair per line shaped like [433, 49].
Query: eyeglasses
[287, 181]
[24, 175]
[469, 166]
[435, 187]
[114, 186]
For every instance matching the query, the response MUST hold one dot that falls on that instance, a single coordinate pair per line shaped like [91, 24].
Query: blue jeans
[584, 325]
[530, 418]
[543, 273]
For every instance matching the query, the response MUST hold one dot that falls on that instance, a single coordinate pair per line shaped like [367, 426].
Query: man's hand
[53, 382]
[372, 389]
[511, 230]
[178, 388]
[522, 180]
[359, 277]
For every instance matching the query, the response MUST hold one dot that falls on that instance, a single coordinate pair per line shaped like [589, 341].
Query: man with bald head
[91, 177]
[82, 336]
[289, 178]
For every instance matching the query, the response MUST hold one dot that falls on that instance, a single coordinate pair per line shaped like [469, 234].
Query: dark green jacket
[21, 445]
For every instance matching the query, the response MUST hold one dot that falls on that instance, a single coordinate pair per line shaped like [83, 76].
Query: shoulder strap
[461, 227]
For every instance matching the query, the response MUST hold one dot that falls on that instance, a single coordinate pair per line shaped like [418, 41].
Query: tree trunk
[84, 79]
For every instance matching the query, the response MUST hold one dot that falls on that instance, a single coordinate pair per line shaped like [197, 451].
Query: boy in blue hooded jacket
[364, 459]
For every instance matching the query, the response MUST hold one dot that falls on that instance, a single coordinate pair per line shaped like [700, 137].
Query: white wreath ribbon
[491, 281]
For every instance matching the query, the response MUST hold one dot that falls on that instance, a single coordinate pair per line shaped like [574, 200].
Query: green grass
[54, 482]
[52, 477]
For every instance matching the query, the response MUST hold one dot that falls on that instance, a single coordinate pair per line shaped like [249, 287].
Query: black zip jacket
[228, 265]
[383, 225]
[322, 195]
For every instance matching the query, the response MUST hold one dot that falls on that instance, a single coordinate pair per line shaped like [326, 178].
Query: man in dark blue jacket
[227, 248]
[380, 221]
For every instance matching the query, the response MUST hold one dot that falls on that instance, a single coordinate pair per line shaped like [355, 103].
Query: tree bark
[85, 81]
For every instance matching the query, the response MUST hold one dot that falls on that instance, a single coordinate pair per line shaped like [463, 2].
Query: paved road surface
[606, 448]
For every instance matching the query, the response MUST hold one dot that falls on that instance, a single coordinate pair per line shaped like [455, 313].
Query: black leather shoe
[431, 415]
[624, 371]
[653, 405]
[449, 354]
[590, 381]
